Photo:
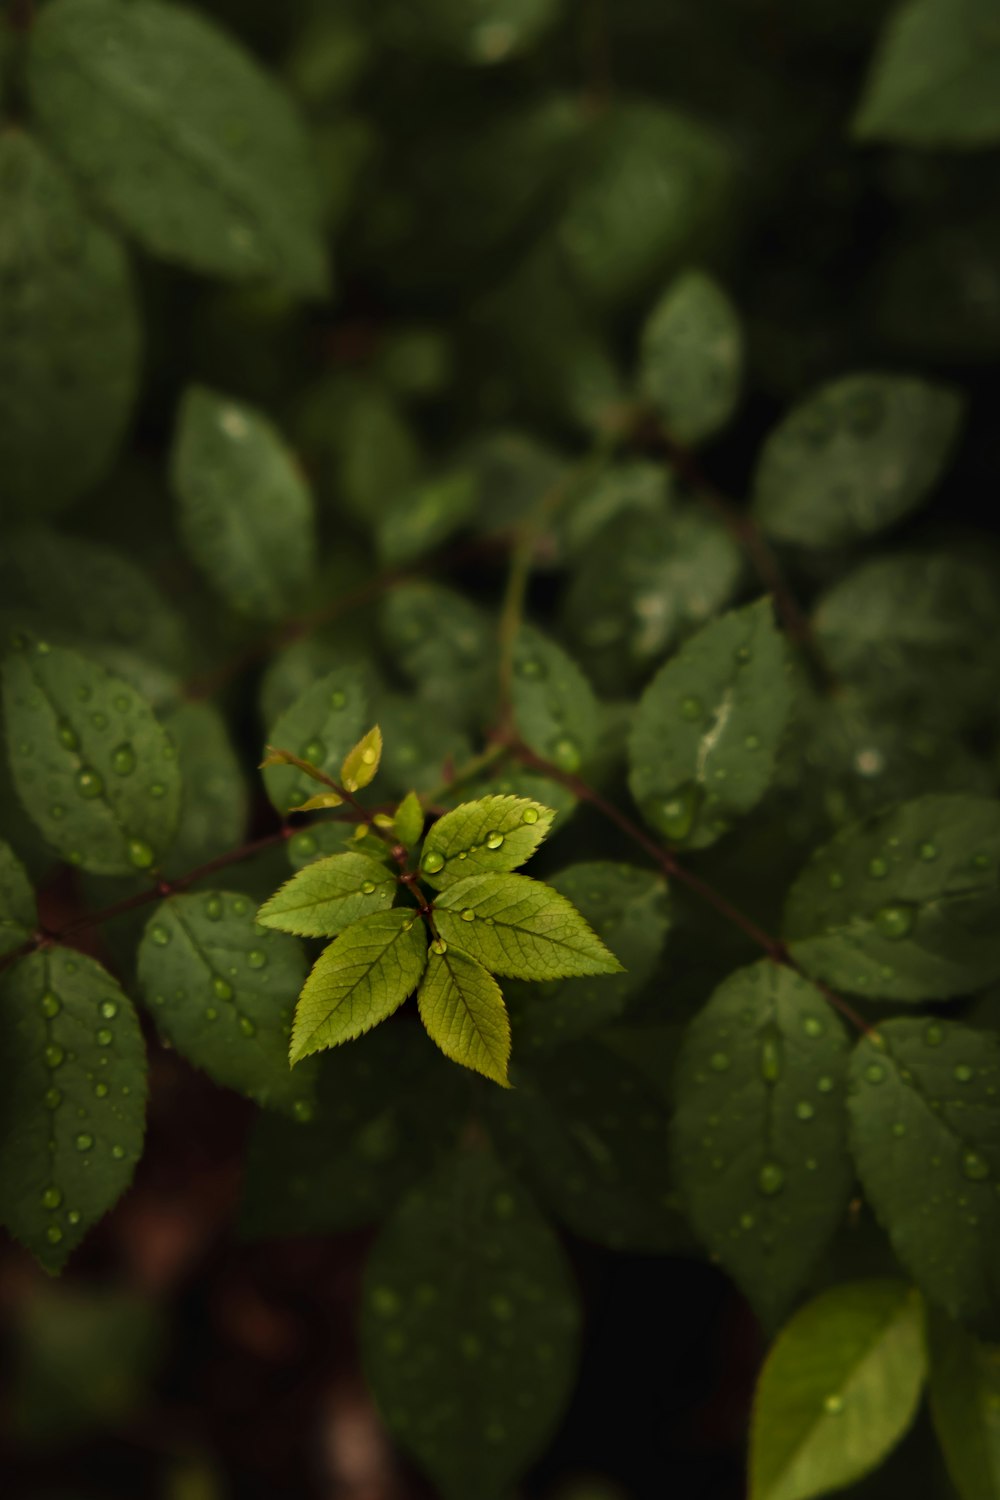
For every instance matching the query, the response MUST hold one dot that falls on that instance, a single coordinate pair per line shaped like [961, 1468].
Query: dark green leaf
[925, 1132]
[92, 766]
[181, 137]
[630, 909]
[692, 358]
[69, 335]
[463, 1011]
[486, 837]
[520, 928]
[74, 1100]
[359, 980]
[554, 705]
[420, 747]
[708, 728]
[327, 895]
[246, 512]
[469, 1328]
[760, 1133]
[223, 991]
[214, 796]
[422, 519]
[589, 1131]
[486, 33]
[904, 905]
[445, 645]
[854, 458]
[321, 726]
[965, 1405]
[17, 902]
[386, 1108]
[839, 1389]
[935, 80]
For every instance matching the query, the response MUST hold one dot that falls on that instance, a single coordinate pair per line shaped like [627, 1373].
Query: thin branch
[669, 864]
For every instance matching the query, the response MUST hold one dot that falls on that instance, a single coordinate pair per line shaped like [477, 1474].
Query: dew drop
[109, 1009]
[157, 790]
[835, 880]
[752, 742]
[53, 1234]
[84, 1142]
[67, 736]
[719, 1062]
[338, 699]
[257, 958]
[304, 846]
[53, 1056]
[899, 1129]
[804, 1110]
[123, 760]
[99, 720]
[894, 921]
[963, 1073]
[878, 868]
[771, 1178]
[51, 1198]
[975, 1166]
[875, 1073]
[676, 814]
[53, 1098]
[743, 655]
[303, 1111]
[314, 751]
[240, 906]
[213, 909]
[74, 1216]
[692, 709]
[433, 862]
[118, 1152]
[367, 887]
[140, 854]
[833, 1405]
[933, 1035]
[105, 1037]
[247, 1027]
[928, 851]
[101, 1090]
[530, 667]
[530, 815]
[812, 1026]
[57, 811]
[159, 935]
[494, 840]
[468, 915]
[50, 1005]
[439, 946]
[221, 988]
[566, 754]
[747, 1221]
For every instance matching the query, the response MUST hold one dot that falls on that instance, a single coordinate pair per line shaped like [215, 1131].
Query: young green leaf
[408, 822]
[222, 991]
[328, 895]
[423, 518]
[760, 1133]
[935, 80]
[360, 765]
[906, 630]
[903, 905]
[69, 335]
[468, 1306]
[708, 727]
[74, 1100]
[554, 705]
[463, 1011]
[965, 1406]
[925, 1132]
[321, 726]
[387, 1108]
[214, 799]
[854, 458]
[489, 836]
[246, 513]
[838, 1391]
[588, 1130]
[359, 980]
[17, 902]
[644, 585]
[692, 358]
[445, 645]
[132, 96]
[92, 766]
[520, 928]
[631, 909]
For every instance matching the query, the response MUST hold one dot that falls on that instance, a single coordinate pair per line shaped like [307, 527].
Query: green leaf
[925, 1132]
[421, 519]
[644, 584]
[246, 513]
[69, 336]
[359, 980]
[18, 918]
[647, 192]
[463, 1011]
[92, 766]
[71, 589]
[154, 94]
[904, 904]
[489, 836]
[484, 34]
[631, 910]
[329, 895]
[445, 645]
[223, 992]
[708, 727]
[615, 494]
[760, 1133]
[554, 705]
[74, 1100]
[421, 748]
[907, 631]
[854, 458]
[360, 765]
[408, 822]
[965, 1406]
[214, 800]
[353, 435]
[468, 1307]
[692, 358]
[935, 80]
[319, 840]
[321, 726]
[386, 1109]
[588, 1131]
[520, 928]
[838, 1391]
